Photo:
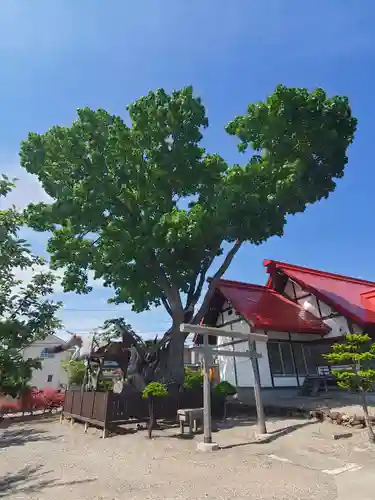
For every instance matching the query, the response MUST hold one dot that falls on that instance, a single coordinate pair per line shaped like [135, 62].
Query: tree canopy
[26, 313]
[148, 209]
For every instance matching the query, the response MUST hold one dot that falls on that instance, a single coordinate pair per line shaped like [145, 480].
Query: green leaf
[225, 388]
[193, 379]
[26, 312]
[141, 203]
[358, 353]
[155, 390]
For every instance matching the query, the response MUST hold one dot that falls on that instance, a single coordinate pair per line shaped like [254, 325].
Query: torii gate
[208, 350]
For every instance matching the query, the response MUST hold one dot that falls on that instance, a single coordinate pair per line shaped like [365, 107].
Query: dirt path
[44, 460]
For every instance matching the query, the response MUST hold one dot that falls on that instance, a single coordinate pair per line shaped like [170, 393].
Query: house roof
[266, 309]
[50, 339]
[352, 297]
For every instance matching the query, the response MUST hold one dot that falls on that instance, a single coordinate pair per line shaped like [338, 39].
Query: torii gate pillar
[207, 444]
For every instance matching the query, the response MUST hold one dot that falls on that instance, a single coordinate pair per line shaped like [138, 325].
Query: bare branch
[202, 279]
[219, 273]
[195, 290]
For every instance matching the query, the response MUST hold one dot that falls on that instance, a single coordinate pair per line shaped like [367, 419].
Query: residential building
[51, 374]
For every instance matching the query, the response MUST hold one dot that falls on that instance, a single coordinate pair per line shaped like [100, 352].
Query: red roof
[352, 297]
[266, 309]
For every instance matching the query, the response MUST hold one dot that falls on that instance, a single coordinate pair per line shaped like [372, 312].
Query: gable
[266, 309]
[50, 340]
[342, 294]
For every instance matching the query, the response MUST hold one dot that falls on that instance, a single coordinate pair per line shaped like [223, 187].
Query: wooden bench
[190, 417]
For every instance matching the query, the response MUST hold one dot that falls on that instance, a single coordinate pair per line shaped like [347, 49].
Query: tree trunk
[225, 409]
[151, 415]
[171, 366]
[371, 435]
[175, 359]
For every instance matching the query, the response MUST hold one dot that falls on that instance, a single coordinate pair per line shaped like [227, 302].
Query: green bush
[225, 389]
[75, 371]
[155, 390]
[222, 391]
[105, 385]
[150, 392]
[193, 378]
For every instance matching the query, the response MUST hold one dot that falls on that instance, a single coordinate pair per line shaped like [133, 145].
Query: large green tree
[26, 313]
[148, 209]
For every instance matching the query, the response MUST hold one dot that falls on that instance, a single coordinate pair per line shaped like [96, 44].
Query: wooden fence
[104, 409]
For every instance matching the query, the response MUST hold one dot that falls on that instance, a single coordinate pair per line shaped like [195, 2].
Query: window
[275, 358]
[287, 359]
[49, 378]
[44, 354]
[281, 359]
[299, 356]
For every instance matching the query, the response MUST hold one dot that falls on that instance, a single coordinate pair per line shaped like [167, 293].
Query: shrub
[193, 378]
[223, 390]
[226, 389]
[358, 353]
[105, 385]
[75, 370]
[154, 390]
[150, 392]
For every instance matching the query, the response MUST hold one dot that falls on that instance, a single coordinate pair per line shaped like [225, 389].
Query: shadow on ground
[246, 420]
[30, 480]
[6, 420]
[272, 436]
[20, 437]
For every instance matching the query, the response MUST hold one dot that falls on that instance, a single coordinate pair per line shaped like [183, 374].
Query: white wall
[338, 323]
[238, 371]
[50, 366]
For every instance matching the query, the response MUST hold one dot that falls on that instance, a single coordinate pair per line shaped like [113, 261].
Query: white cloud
[26, 275]
[81, 321]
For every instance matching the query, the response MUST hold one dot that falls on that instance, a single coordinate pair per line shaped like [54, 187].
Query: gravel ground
[44, 459]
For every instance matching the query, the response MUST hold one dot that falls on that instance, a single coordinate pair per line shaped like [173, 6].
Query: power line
[72, 309]
[88, 332]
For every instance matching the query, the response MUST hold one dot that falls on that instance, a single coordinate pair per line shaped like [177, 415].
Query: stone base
[207, 446]
[262, 438]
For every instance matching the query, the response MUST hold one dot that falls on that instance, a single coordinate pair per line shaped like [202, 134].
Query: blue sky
[60, 55]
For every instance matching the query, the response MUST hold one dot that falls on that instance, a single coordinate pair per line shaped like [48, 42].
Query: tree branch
[219, 273]
[202, 279]
[172, 295]
[195, 289]
[166, 305]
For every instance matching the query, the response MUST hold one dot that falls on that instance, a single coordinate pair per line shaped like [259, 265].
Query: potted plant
[225, 389]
